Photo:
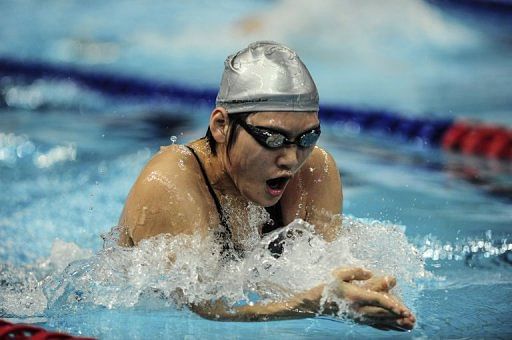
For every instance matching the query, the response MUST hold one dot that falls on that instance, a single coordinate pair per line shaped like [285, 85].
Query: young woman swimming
[260, 150]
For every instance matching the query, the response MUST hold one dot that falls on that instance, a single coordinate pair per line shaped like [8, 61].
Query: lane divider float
[462, 136]
[24, 332]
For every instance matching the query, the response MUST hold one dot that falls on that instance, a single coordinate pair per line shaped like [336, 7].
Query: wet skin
[312, 191]
[250, 165]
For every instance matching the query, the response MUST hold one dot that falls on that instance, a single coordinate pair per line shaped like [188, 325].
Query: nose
[288, 158]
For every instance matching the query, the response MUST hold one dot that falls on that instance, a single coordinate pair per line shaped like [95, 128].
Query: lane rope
[467, 138]
[24, 332]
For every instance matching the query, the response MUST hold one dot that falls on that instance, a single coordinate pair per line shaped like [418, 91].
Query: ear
[219, 124]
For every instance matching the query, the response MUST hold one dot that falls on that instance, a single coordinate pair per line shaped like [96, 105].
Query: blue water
[68, 155]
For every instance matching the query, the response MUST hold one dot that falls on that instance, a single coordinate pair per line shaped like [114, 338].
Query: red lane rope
[484, 140]
[10, 331]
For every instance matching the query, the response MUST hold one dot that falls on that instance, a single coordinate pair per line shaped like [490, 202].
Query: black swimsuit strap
[210, 189]
[275, 213]
[226, 234]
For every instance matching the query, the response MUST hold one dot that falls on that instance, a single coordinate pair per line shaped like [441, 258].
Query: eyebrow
[285, 132]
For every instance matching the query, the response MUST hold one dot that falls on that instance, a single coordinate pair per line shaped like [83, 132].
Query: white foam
[55, 155]
[186, 269]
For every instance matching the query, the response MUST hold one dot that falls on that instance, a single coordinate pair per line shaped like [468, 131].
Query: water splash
[174, 271]
[21, 288]
[472, 250]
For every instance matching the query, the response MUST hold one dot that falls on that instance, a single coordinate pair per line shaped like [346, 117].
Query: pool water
[441, 222]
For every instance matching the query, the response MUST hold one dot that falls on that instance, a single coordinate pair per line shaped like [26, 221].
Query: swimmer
[259, 151]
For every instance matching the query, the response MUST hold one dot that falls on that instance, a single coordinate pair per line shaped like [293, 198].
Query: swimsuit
[275, 247]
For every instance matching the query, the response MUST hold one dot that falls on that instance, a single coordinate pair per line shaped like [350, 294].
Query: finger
[362, 297]
[406, 323]
[382, 316]
[382, 320]
[349, 274]
[396, 328]
[385, 327]
[380, 283]
[375, 312]
[380, 327]
[386, 323]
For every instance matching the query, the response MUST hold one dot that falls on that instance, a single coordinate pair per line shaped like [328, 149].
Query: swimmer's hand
[370, 303]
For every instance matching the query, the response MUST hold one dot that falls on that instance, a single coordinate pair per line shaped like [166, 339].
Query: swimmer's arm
[324, 194]
[301, 305]
[162, 201]
[367, 304]
[147, 214]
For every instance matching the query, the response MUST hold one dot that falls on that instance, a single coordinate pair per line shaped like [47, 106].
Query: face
[261, 174]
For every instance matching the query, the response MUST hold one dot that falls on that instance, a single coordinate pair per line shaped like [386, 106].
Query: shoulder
[172, 170]
[315, 194]
[175, 160]
[167, 197]
[324, 192]
[321, 182]
[319, 166]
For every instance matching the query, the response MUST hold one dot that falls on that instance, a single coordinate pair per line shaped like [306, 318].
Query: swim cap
[266, 76]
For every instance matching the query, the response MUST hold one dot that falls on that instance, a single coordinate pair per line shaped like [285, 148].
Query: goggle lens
[274, 140]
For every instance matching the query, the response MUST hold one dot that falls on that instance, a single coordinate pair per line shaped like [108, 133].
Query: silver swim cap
[266, 76]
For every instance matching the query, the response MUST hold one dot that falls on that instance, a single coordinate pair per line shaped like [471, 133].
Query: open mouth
[276, 185]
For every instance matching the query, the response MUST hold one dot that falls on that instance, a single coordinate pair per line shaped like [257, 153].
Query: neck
[244, 230]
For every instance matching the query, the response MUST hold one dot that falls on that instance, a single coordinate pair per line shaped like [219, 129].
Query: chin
[274, 200]
[269, 201]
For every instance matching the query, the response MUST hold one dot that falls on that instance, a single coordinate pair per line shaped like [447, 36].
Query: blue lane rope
[500, 7]
[110, 84]
[430, 131]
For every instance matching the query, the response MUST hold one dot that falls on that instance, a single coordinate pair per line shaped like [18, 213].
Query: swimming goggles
[272, 139]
